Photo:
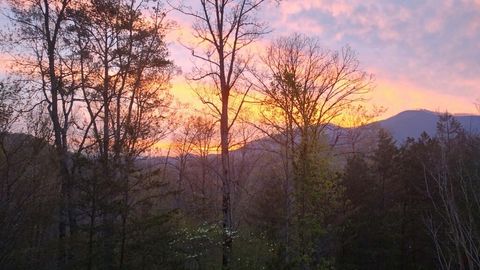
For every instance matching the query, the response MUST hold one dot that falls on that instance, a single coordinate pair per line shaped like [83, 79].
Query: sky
[423, 54]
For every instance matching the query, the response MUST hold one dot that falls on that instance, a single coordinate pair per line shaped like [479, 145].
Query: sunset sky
[423, 54]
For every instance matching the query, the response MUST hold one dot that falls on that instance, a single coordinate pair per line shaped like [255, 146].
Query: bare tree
[452, 187]
[40, 29]
[223, 30]
[183, 141]
[305, 88]
[359, 128]
[203, 145]
[452, 225]
[195, 147]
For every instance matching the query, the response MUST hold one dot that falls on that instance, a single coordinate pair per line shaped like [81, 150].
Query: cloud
[398, 96]
[6, 61]
[433, 44]
[424, 54]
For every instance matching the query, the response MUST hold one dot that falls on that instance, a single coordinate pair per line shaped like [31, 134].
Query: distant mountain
[413, 122]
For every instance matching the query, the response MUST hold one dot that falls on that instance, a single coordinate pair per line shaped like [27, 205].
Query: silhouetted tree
[124, 74]
[305, 88]
[39, 28]
[225, 28]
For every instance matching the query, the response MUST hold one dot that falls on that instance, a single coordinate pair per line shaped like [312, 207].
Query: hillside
[412, 123]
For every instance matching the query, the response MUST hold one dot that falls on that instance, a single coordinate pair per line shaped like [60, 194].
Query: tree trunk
[60, 151]
[226, 204]
[107, 216]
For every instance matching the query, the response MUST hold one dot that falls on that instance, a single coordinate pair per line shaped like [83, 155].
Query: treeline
[410, 205]
[413, 206]
[285, 189]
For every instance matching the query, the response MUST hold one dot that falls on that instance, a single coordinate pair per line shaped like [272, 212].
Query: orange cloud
[5, 63]
[398, 96]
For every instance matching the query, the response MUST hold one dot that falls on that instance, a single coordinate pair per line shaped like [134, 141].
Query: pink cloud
[6, 61]
[416, 49]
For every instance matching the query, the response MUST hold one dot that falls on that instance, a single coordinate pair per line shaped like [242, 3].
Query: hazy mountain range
[413, 122]
[410, 123]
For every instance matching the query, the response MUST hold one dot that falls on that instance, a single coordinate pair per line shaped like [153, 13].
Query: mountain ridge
[411, 123]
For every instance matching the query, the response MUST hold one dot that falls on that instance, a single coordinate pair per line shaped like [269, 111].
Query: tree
[305, 88]
[124, 73]
[385, 171]
[193, 143]
[360, 131]
[28, 185]
[385, 164]
[416, 248]
[40, 28]
[354, 250]
[452, 187]
[196, 145]
[204, 144]
[182, 145]
[373, 191]
[225, 29]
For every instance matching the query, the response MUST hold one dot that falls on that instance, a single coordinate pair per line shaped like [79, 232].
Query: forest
[283, 166]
